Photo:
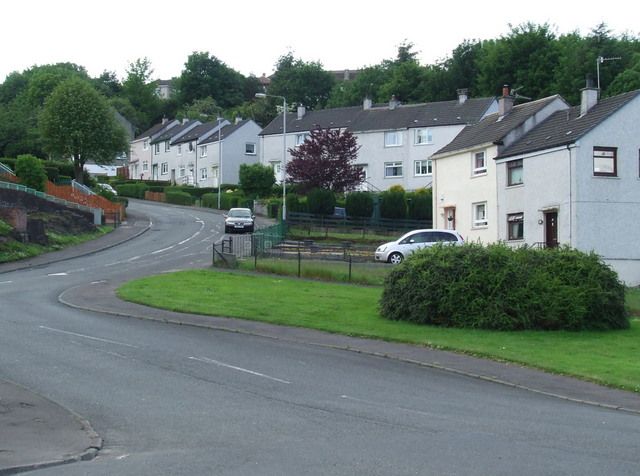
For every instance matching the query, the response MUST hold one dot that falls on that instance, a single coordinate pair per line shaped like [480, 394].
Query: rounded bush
[321, 201]
[359, 204]
[501, 288]
[393, 203]
[178, 197]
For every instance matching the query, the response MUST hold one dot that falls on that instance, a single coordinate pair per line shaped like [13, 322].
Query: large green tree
[205, 76]
[302, 82]
[139, 91]
[78, 123]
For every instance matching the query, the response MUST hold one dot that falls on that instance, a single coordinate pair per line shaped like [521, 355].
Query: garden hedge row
[501, 288]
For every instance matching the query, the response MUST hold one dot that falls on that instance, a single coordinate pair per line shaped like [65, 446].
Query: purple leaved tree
[326, 160]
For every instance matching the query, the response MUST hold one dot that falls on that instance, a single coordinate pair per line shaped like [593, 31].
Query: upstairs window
[250, 148]
[479, 163]
[203, 151]
[167, 147]
[514, 172]
[423, 136]
[145, 145]
[179, 149]
[300, 138]
[392, 139]
[605, 161]
[156, 150]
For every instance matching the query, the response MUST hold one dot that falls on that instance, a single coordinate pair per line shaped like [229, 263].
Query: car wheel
[227, 230]
[395, 258]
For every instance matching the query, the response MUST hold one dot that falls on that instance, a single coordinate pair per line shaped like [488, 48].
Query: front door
[551, 229]
[450, 218]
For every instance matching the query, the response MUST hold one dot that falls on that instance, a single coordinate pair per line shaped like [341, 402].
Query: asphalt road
[171, 399]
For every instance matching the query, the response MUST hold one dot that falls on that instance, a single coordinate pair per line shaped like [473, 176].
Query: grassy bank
[608, 358]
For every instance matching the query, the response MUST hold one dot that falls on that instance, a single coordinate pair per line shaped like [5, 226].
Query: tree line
[531, 58]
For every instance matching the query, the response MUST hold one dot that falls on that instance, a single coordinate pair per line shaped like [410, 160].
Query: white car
[396, 251]
[239, 219]
[107, 188]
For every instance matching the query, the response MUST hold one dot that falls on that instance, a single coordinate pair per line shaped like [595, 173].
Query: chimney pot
[505, 103]
[367, 103]
[463, 95]
[393, 103]
[301, 111]
[589, 96]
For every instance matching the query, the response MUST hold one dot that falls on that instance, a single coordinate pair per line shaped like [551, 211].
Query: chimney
[393, 102]
[185, 120]
[505, 103]
[164, 120]
[463, 95]
[367, 103]
[589, 96]
[238, 119]
[301, 111]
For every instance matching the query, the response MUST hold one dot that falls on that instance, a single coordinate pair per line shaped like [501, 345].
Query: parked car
[239, 219]
[107, 188]
[396, 251]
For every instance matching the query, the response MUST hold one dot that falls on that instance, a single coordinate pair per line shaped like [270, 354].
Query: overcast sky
[249, 35]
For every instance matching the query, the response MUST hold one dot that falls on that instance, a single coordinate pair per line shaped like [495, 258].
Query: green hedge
[359, 204]
[178, 197]
[497, 287]
[133, 190]
[210, 200]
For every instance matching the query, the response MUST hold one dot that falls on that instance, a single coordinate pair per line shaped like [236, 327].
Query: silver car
[396, 251]
[239, 219]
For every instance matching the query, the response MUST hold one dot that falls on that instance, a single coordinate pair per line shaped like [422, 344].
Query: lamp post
[219, 160]
[284, 150]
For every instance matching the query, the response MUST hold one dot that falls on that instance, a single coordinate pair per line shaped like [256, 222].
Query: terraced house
[396, 141]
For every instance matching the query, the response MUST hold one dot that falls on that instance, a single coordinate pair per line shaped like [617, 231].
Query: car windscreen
[240, 213]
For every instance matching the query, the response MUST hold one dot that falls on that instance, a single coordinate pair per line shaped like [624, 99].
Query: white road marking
[6, 282]
[99, 282]
[380, 404]
[239, 369]
[108, 341]
[133, 259]
[57, 274]
[163, 249]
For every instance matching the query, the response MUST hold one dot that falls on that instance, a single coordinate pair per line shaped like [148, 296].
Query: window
[423, 136]
[179, 149]
[156, 150]
[480, 214]
[190, 147]
[479, 163]
[214, 171]
[392, 169]
[514, 172]
[203, 174]
[167, 147]
[422, 167]
[182, 172]
[164, 170]
[392, 139]
[300, 138]
[605, 161]
[203, 151]
[515, 226]
[145, 166]
[145, 145]
[250, 148]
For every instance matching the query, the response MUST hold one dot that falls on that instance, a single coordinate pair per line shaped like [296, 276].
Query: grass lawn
[609, 358]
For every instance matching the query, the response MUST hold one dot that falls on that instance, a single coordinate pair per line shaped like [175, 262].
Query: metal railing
[352, 224]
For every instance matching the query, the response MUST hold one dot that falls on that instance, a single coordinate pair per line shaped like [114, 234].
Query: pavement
[36, 432]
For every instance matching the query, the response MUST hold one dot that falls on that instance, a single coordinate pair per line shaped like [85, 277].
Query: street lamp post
[219, 160]
[284, 150]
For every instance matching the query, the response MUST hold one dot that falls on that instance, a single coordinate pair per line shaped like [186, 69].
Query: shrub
[296, 204]
[321, 201]
[497, 287]
[256, 180]
[30, 171]
[420, 206]
[393, 203]
[133, 190]
[210, 200]
[359, 204]
[178, 197]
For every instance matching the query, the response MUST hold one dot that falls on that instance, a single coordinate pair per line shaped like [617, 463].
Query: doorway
[551, 229]
[450, 218]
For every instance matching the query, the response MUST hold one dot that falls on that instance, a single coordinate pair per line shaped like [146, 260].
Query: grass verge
[608, 358]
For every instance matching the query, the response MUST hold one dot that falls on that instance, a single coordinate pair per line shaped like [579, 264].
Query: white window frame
[479, 216]
[145, 166]
[145, 145]
[203, 151]
[203, 173]
[418, 166]
[423, 136]
[164, 168]
[167, 146]
[182, 171]
[474, 159]
[156, 149]
[396, 136]
[390, 166]
[249, 145]
[191, 148]
[300, 138]
[179, 149]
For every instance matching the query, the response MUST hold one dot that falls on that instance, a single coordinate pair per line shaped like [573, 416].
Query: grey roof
[357, 119]
[493, 128]
[149, 132]
[195, 133]
[566, 127]
[225, 132]
[173, 131]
